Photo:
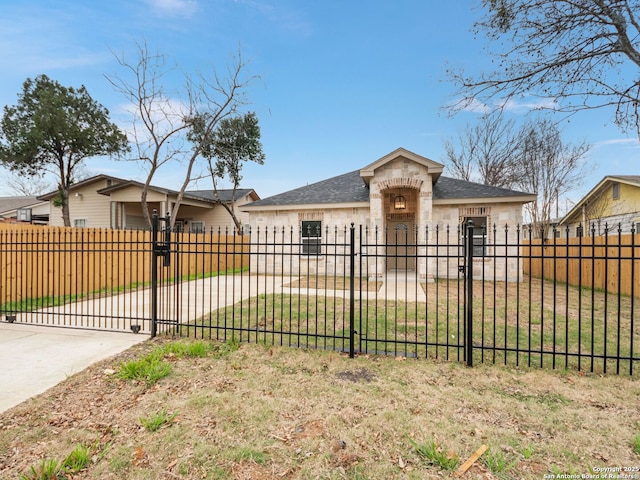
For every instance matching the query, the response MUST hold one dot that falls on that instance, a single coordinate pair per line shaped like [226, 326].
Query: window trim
[310, 246]
[83, 220]
[615, 191]
[199, 223]
[480, 236]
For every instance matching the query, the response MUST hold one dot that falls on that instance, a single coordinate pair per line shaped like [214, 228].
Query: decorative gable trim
[400, 183]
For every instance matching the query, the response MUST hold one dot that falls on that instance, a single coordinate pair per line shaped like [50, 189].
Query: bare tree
[574, 55]
[27, 186]
[595, 210]
[547, 166]
[161, 121]
[484, 152]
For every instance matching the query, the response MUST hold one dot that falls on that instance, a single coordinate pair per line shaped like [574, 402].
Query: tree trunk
[65, 207]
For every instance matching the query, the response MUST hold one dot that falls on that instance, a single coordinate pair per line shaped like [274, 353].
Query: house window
[196, 227]
[311, 237]
[615, 191]
[80, 222]
[479, 235]
[579, 231]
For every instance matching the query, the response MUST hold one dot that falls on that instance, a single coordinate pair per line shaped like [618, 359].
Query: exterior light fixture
[400, 203]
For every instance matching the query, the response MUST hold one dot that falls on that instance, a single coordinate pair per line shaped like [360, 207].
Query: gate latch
[164, 250]
[461, 269]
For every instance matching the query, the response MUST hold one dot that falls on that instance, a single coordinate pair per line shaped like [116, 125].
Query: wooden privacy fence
[43, 262]
[610, 263]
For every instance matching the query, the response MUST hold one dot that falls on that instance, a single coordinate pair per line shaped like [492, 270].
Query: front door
[401, 245]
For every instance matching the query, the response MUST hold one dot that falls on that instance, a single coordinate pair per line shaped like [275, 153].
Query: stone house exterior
[401, 204]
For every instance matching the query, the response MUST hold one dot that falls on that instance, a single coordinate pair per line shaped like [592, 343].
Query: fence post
[468, 300]
[352, 264]
[154, 273]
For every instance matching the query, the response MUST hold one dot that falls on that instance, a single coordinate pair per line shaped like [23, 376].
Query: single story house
[104, 201]
[24, 209]
[400, 193]
[613, 202]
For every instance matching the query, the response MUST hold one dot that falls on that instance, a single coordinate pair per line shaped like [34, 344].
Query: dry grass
[267, 413]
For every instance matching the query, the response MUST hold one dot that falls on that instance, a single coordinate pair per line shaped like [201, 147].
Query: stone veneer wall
[284, 227]
[401, 173]
[503, 221]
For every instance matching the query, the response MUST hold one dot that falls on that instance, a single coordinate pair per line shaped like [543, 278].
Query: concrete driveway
[35, 358]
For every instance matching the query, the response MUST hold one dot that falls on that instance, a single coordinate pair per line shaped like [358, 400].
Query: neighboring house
[391, 197]
[614, 202]
[24, 209]
[104, 201]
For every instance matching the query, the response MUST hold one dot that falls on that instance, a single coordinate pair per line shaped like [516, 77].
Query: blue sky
[342, 82]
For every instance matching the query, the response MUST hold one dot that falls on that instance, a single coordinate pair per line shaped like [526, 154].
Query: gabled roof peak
[433, 168]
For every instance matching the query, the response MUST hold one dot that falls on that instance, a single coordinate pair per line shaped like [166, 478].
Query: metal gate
[76, 277]
[165, 288]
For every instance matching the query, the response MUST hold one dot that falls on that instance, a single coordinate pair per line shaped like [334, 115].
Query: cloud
[166, 115]
[183, 8]
[524, 105]
[285, 18]
[42, 41]
[633, 142]
[468, 105]
[509, 105]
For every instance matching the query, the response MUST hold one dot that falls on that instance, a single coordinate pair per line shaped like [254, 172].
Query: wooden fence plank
[40, 261]
[605, 263]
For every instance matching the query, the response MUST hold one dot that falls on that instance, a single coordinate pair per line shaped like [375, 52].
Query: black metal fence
[460, 294]
[446, 297]
[78, 278]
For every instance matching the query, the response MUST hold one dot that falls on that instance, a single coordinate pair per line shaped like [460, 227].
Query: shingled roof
[346, 188]
[224, 195]
[350, 188]
[447, 188]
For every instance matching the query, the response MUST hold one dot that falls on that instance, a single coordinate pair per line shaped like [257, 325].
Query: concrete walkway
[197, 298]
[35, 358]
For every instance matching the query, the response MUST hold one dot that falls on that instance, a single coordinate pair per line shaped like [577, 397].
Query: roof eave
[302, 206]
[514, 199]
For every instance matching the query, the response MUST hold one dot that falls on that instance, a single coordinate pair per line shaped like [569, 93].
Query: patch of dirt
[356, 376]
[312, 429]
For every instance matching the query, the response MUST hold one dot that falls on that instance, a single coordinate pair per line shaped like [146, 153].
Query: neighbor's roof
[8, 204]
[224, 195]
[119, 183]
[202, 195]
[82, 183]
[633, 180]
[350, 188]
